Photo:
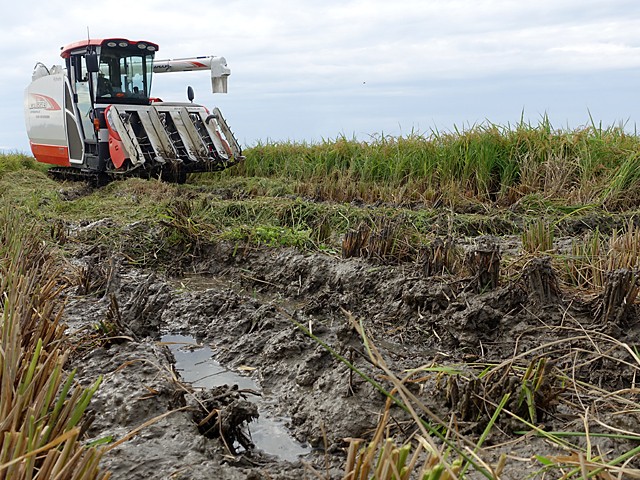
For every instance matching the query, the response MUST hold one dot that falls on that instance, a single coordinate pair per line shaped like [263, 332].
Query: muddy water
[196, 365]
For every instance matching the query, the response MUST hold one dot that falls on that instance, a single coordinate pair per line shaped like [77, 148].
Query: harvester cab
[95, 116]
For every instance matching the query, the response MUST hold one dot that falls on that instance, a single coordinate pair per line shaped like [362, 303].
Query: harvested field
[338, 311]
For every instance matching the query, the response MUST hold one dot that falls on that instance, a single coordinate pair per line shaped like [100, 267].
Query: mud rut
[242, 303]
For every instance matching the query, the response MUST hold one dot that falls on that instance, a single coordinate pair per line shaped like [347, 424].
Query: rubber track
[77, 175]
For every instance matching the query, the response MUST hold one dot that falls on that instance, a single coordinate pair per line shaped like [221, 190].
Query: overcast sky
[313, 70]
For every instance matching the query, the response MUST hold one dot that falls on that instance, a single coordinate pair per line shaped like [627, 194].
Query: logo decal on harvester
[186, 64]
[38, 101]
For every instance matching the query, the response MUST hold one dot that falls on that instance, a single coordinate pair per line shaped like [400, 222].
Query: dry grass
[382, 459]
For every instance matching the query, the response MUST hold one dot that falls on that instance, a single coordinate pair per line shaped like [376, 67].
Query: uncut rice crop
[485, 161]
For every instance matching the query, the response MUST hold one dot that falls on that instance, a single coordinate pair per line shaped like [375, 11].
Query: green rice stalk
[537, 237]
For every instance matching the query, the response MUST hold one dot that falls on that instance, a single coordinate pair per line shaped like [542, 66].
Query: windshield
[124, 74]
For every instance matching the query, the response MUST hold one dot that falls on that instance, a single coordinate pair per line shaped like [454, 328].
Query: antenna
[88, 40]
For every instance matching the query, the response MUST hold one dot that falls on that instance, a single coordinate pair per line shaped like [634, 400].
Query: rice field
[561, 206]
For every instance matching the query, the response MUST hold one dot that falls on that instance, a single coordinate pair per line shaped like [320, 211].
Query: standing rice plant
[41, 411]
[537, 237]
[485, 157]
[584, 265]
[593, 256]
[625, 176]
[486, 162]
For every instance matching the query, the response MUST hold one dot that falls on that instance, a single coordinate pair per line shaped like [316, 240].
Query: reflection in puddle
[196, 365]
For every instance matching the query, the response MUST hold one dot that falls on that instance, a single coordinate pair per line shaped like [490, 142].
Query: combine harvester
[95, 118]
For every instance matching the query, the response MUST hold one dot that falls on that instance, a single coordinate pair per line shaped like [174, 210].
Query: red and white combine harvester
[95, 117]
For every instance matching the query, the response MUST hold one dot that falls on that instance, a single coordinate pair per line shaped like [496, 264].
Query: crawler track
[100, 179]
[79, 175]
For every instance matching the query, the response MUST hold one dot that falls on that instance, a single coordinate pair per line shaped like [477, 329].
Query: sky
[311, 70]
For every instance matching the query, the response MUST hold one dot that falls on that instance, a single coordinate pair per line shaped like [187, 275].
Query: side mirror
[190, 94]
[92, 62]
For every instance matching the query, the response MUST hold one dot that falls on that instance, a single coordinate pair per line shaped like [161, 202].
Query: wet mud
[244, 309]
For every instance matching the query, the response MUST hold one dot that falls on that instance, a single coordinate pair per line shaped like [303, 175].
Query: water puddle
[196, 365]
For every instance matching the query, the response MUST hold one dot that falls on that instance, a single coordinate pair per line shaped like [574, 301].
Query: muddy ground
[244, 304]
